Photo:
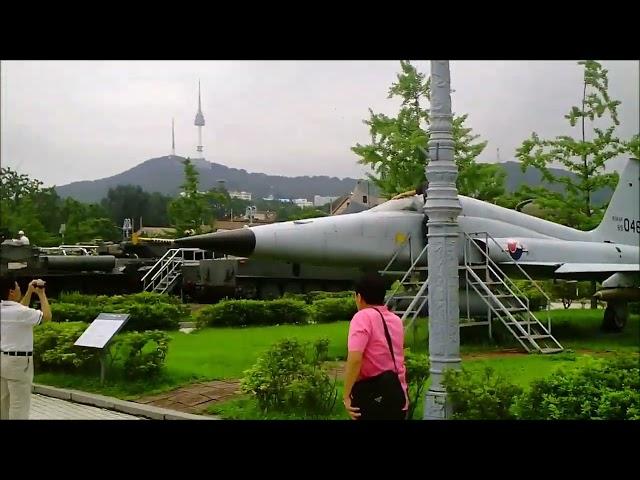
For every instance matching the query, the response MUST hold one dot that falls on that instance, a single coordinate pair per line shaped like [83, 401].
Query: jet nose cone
[241, 242]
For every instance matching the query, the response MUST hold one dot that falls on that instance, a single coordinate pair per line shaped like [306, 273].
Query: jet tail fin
[621, 221]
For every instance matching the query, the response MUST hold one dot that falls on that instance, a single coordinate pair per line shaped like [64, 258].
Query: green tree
[25, 205]
[586, 158]
[131, 201]
[191, 210]
[397, 152]
[87, 222]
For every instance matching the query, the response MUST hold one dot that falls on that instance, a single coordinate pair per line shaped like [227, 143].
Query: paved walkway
[49, 408]
[195, 398]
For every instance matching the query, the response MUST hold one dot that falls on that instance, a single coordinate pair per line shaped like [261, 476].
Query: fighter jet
[545, 250]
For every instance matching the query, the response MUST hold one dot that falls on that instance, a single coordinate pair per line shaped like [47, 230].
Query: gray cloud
[82, 120]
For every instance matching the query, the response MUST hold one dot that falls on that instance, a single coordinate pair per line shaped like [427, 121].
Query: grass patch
[246, 408]
[224, 353]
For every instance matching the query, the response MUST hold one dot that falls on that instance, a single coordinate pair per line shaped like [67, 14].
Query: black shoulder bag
[380, 397]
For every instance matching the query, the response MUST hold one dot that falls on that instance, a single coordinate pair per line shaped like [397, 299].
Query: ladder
[163, 276]
[412, 287]
[503, 298]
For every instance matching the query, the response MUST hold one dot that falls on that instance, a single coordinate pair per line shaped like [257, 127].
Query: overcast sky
[64, 121]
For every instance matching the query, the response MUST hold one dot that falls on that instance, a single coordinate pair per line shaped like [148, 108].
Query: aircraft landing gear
[615, 317]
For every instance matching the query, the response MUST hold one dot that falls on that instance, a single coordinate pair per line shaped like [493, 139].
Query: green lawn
[219, 353]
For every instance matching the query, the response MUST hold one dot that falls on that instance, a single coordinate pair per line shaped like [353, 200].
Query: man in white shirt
[16, 338]
[23, 238]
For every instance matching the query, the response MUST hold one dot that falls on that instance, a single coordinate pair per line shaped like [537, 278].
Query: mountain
[531, 176]
[165, 174]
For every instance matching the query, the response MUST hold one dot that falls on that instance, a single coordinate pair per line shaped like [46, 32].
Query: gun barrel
[80, 263]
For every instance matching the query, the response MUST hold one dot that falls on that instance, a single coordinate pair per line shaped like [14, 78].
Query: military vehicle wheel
[293, 287]
[269, 291]
[312, 287]
[615, 317]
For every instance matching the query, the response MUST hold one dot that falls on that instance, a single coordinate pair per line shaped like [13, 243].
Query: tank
[236, 277]
[99, 274]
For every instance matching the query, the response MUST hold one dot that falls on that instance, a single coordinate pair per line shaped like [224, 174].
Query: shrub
[152, 297]
[480, 396]
[537, 301]
[152, 316]
[134, 354]
[70, 312]
[302, 297]
[286, 311]
[317, 295]
[232, 313]
[147, 310]
[54, 349]
[334, 309]
[607, 389]
[417, 366]
[142, 353]
[289, 376]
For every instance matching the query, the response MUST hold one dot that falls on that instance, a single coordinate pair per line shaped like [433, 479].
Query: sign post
[100, 333]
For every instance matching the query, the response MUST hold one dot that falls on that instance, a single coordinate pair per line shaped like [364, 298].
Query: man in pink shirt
[375, 384]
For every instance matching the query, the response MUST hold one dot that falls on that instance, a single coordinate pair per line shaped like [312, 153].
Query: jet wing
[566, 268]
[598, 268]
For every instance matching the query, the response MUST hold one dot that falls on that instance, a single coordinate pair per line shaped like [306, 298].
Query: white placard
[101, 330]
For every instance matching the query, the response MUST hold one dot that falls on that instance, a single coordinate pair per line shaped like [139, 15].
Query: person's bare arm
[44, 304]
[26, 300]
[351, 372]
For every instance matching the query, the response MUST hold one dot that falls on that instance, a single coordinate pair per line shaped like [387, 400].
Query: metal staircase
[503, 298]
[163, 276]
[412, 287]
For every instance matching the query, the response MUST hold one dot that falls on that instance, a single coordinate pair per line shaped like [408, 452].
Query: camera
[38, 283]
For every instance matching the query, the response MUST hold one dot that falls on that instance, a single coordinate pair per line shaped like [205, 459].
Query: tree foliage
[397, 152]
[585, 157]
[194, 209]
[39, 212]
[131, 201]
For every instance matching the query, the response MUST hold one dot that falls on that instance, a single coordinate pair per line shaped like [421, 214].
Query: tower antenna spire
[173, 138]
[199, 122]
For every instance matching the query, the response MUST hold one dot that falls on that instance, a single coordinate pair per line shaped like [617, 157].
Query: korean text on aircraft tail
[621, 222]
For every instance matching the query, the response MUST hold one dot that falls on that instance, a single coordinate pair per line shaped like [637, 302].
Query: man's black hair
[7, 282]
[372, 287]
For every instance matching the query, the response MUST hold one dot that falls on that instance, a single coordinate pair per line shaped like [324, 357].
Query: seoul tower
[199, 122]
[173, 139]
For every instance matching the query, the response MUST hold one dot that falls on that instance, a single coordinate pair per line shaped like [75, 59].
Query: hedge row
[235, 313]
[603, 389]
[311, 297]
[133, 354]
[148, 311]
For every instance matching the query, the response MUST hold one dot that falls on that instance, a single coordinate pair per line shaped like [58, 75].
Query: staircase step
[534, 337]
[407, 297]
[391, 272]
[551, 350]
[516, 309]
[488, 282]
[522, 323]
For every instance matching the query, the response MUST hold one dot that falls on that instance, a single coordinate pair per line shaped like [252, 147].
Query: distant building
[241, 195]
[364, 196]
[269, 198]
[319, 200]
[302, 202]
